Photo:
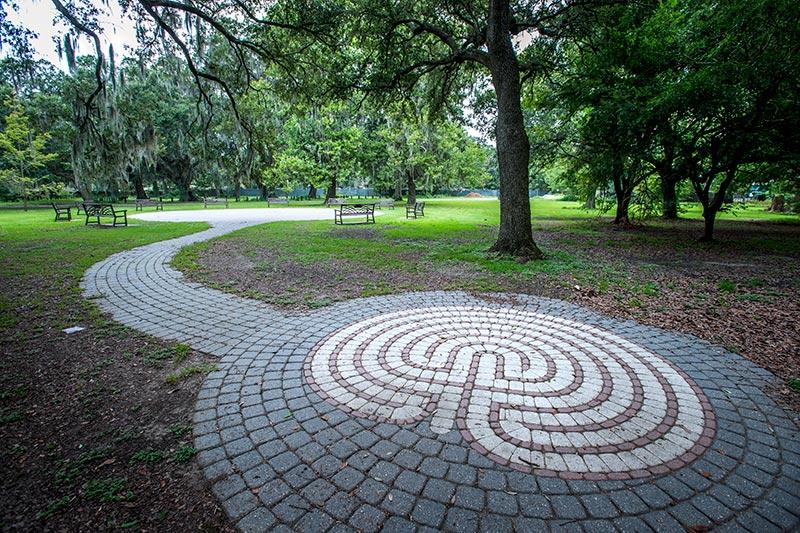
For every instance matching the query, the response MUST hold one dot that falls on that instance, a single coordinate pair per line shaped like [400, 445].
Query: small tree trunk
[709, 217]
[412, 187]
[591, 200]
[622, 193]
[778, 204]
[515, 236]
[712, 205]
[331, 191]
[623, 203]
[312, 192]
[669, 199]
[398, 190]
[138, 185]
[84, 191]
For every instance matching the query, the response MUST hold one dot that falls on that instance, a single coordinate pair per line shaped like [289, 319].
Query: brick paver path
[450, 411]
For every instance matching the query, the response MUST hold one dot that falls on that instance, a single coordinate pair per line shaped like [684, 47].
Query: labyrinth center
[532, 391]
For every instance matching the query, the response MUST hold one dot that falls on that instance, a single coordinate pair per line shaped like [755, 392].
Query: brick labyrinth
[536, 392]
[447, 411]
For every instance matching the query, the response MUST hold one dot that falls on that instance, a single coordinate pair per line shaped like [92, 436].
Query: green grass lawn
[54, 256]
[461, 230]
[31, 243]
[546, 208]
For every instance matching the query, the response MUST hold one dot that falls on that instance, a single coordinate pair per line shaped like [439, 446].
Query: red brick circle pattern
[535, 392]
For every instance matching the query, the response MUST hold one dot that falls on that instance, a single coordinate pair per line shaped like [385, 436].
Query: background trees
[23, 151]
[640, 104]
[149, 133]
[694, 92]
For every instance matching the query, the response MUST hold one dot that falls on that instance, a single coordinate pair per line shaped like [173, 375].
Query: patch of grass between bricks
[189, 371]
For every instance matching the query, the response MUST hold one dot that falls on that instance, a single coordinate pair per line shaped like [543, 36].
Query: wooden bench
[141, 203]
[335, 201]
[63, 211]
[416, 210]
[388, 204]
[277, 201]
[354, 210]
[207, 201]
[98, 211]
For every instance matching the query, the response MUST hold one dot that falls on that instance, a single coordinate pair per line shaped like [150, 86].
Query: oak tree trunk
[312, 192]
[515, 236]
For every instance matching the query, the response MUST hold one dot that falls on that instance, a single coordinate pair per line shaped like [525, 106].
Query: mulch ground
[742, 293]
[92, 436]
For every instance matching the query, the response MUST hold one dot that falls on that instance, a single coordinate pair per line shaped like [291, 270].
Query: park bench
[335, 201]
[416, 210]
[354, 210]
[141, 203]
[63, 211]
[98, 211]
[388, 204]
[207, 201]
[277, 201]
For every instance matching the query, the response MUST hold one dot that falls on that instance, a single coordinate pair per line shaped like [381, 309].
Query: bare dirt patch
[93, 436]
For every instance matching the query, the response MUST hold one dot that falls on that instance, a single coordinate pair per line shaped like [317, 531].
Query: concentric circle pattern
[536, 392]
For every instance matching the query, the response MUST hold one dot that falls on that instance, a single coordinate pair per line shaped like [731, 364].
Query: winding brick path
[449, 411]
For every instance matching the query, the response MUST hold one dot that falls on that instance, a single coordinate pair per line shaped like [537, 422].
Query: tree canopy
[639, 104]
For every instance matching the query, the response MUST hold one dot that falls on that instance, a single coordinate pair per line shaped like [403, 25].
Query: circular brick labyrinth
[448, 411]
[536, 392]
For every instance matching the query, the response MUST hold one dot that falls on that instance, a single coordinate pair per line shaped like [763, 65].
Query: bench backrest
[62, 207]
[98, 210]
[278, 200]
[356, 209]
[419, 206]
[335, 201]
[386, 203]
[147, 201]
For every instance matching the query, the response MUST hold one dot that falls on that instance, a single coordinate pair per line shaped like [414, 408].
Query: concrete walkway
[444, 410]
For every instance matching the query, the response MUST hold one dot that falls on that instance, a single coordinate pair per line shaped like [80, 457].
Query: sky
[38, 16]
